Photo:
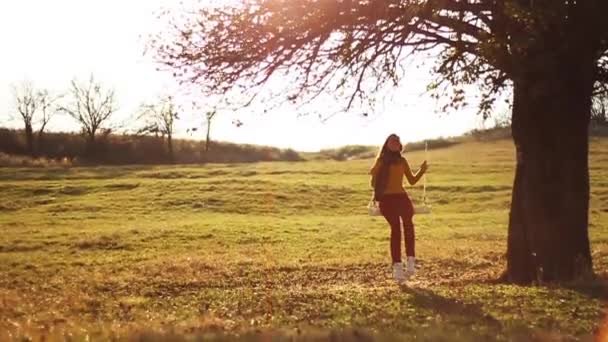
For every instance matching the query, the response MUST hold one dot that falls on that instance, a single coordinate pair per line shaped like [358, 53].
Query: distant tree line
[148, 138]
[151, 139]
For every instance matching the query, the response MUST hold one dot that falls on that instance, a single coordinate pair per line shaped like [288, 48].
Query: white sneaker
[411, 266]
[398, 273]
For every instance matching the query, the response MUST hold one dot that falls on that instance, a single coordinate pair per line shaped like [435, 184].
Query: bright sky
[50, 42]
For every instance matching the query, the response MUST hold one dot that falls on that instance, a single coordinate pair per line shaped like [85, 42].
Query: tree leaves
[354, 49]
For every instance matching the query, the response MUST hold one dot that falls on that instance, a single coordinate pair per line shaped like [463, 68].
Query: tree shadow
[595, 287]
[448, 307]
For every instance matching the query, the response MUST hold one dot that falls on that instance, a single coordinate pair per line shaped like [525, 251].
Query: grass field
[278, 248]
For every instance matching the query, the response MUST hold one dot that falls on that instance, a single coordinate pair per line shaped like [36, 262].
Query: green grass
[273, 247]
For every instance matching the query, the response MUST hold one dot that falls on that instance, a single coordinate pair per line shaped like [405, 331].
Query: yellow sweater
[395, 176]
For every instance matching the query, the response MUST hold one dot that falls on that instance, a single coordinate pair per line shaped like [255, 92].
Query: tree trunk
[208, 136]
[548, 223]
[29, 139]
[90, 147]
[40, 138]
[40, 141]
[170, 147]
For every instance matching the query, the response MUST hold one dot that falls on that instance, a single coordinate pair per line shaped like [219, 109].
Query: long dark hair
[386, 157]
[384, 150]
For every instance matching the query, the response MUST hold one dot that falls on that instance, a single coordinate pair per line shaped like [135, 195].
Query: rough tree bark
[548, 235]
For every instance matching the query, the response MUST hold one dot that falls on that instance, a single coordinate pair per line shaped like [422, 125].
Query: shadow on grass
[448, 307]
[594, 288]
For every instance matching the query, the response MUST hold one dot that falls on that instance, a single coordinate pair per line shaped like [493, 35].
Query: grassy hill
[273, 247]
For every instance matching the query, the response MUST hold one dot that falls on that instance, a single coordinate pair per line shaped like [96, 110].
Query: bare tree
[35, 107]
[160, 118]
[209, 115]
[48, 108]
[553, 53]
[26, 101]
[91, 105]
[208, 120]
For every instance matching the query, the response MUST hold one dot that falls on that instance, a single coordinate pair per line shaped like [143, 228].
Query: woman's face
[394, 143]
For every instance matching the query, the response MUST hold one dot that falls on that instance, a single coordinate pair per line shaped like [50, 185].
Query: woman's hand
[423, 167]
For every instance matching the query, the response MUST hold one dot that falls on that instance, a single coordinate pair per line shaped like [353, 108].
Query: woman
[387, 181]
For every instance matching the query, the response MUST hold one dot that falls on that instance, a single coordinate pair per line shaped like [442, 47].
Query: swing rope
[426, 157]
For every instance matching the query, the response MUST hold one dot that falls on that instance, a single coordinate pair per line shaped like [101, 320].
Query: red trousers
[395, 207]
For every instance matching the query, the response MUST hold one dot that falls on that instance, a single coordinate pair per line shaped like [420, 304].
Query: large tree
[551, 53]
